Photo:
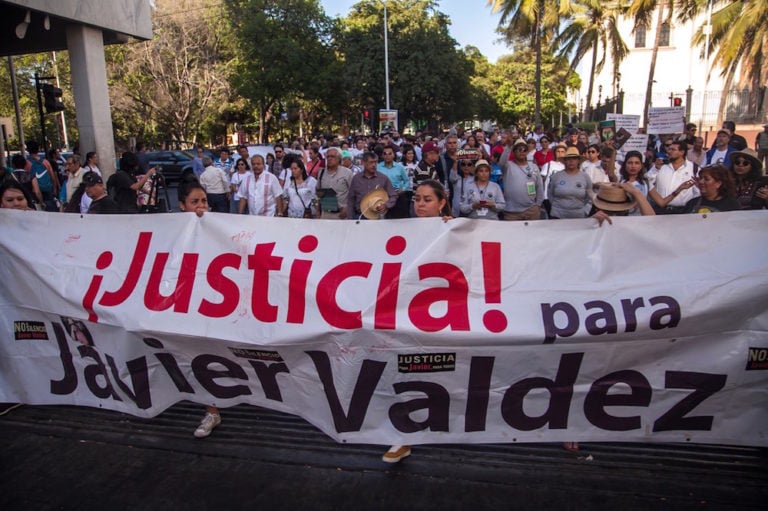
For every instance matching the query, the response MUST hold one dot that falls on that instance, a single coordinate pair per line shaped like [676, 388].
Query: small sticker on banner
[757, 359]
[269, 356]
[30, 330]
[426, 362]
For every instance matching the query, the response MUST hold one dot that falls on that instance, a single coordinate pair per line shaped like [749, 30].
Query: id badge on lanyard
[531, 187]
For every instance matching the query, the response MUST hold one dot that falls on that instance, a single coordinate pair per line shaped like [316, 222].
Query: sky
[472, 23]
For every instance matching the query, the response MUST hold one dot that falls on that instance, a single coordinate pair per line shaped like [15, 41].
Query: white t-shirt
[235, 180]
[668, 179]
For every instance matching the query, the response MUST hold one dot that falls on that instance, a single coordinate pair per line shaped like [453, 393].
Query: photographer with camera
[123, 186]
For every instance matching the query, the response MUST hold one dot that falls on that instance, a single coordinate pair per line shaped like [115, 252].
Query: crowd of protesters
[504, 174]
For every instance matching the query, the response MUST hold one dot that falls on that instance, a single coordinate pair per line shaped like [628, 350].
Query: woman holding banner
[193, 199]
[429, 200]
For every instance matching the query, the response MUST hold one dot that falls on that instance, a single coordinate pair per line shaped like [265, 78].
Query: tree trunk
[539, 29]
[588, 108]
[724, 99]
[656, 41]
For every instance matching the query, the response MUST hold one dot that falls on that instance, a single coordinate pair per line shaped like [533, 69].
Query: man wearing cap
[101, 203]
[333, 186]
[721, 151]
[367, 181]
[523, 188]
[427, 167]
[761, 146]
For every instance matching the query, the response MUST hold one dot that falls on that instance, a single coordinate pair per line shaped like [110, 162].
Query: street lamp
[386, 54]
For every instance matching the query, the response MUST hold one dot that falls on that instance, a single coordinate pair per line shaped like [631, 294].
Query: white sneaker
[210, 421]
[396, 453]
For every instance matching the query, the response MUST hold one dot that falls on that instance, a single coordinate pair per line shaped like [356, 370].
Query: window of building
[640, 37]
[664, 38]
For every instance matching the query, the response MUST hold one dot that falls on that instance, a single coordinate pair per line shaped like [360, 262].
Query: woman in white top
[241, 170]
[633, 172]
[592, 166]
[299, 197]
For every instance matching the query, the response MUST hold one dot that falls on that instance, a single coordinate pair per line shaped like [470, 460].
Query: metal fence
[741, 105]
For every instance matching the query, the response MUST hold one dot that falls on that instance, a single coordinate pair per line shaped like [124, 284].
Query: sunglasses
[518, 149]
[741, 162]
[591, 151]
[466, 164]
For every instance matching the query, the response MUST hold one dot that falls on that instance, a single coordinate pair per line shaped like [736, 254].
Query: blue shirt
[396, 174]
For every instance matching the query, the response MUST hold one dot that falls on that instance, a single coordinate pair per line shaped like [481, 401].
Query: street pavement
[77, 458]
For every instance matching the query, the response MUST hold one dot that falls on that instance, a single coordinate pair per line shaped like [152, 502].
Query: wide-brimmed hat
[611, 197]
[749, 154]
[481, 163]
[572, 152]
[370, 202]
[518, 142]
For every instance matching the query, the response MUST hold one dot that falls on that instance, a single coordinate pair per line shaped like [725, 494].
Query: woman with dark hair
[13, 196]
[241, 169]
[92, 162]
[632, 171]
[194, 199]
[429, 200]
[316, 162]
[718, 191]
[751, 186]
[299, 193]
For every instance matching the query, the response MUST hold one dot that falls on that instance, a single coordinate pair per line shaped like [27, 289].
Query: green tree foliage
[174, 85]
[26, 66]
[593, 29]
[283, 51]
[739, 36]
[429, 77]
[537, 21]
[511, 81]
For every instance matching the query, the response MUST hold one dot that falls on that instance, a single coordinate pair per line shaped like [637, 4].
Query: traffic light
[52, 98]
[677, 102]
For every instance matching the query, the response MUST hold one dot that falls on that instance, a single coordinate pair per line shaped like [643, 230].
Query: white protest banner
[411, 331]
[664, 120]
[629, 122]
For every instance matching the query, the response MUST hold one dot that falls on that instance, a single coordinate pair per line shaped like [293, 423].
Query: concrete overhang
[118, 20]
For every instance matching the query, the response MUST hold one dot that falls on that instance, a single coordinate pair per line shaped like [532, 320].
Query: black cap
[91, 178]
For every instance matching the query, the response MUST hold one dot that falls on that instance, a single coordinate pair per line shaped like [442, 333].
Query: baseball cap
[91, 178]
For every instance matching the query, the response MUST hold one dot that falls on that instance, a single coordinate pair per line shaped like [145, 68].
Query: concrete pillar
[89, 86]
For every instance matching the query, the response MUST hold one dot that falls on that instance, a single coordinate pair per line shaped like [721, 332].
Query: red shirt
[541, 158]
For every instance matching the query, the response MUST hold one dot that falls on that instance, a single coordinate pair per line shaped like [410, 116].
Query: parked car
[173, 163]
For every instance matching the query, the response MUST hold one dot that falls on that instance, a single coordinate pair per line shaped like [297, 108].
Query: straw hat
[518, 142]
[749, 154]
[613, 198]
[572, 152]
[370, 202]
[481, 163]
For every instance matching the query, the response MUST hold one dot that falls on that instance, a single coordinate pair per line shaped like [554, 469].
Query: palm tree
[593, 27]
[643, 11]
[739, 35]
[534, 20]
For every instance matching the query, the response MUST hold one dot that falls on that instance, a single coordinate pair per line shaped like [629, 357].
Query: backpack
[44, 181]
[24, 178]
